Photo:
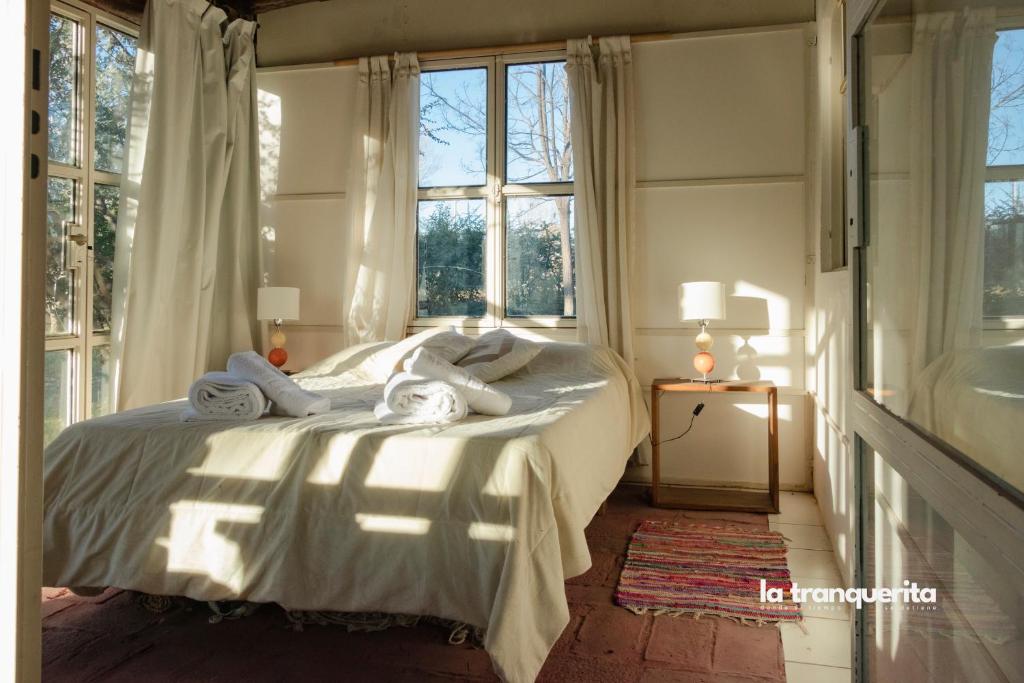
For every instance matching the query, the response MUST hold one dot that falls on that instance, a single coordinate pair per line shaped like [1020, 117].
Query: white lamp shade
[701, 301]
[273, 303]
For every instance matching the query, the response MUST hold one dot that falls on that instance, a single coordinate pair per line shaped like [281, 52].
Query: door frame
[23, 25]
[982, 508]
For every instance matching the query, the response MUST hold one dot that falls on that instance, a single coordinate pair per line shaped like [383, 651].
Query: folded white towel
[481, 397]
[287, 397]
[409, 399]
[222, 396]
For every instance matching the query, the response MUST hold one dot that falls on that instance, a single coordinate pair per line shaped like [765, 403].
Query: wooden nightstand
[711, 498]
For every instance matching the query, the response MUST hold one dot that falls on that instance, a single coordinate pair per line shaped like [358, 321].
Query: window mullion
[496, 295]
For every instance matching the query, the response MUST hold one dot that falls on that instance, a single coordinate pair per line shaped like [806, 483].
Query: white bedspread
[479, 521]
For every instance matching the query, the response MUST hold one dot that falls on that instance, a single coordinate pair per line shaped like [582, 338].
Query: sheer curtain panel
[382, 194]
[603, 148]
[601, 102]
[951, 75]
[186, 263]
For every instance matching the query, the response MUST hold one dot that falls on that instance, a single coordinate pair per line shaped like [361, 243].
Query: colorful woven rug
[705, 570]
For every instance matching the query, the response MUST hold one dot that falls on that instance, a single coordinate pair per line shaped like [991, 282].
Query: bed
[480, 521]
[973, 399]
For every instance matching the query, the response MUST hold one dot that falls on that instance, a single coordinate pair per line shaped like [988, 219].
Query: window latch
[78, 246]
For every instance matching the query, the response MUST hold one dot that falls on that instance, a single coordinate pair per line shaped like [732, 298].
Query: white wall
[722, 126]
[305, 137]
[322, 31]
[829, 340]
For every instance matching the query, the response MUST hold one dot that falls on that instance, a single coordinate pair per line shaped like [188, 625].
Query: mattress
[480, 521]
[973, 399]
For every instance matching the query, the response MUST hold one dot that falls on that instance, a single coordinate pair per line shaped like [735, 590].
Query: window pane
[453, 128]
[115, 64]
[540, 249]
[59, 209]
[450, 258]
[1006, 114]
[1004, 249]
[538, 146]
[63, 88]
[100, 380]
[104, 221]
[972, 632]
[56, 393]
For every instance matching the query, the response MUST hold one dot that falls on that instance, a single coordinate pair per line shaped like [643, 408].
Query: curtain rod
[546, 46]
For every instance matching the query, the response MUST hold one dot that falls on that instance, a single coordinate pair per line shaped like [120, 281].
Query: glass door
[92, 59]
[936, 152]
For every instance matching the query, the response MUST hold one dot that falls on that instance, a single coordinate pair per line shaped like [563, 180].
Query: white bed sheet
[480, 521]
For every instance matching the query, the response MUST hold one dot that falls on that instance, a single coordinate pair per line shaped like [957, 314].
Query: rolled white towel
[287, 397]
[480, 396]
[409, 399]
[222, 396]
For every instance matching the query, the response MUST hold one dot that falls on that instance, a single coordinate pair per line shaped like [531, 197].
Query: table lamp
[703, 302]
[277, 304]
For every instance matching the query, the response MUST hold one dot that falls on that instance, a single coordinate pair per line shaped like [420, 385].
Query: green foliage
[115, 65]
[105, 199]
[534, 264]
[62, 88]
[1004, 254]
[58, 301]
[56, 389]
[450, 262]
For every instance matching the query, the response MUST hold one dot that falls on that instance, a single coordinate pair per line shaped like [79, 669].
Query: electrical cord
[696, 412]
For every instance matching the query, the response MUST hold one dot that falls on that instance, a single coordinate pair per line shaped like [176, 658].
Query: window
[92, 59]
[495, 239]
[1004, 188]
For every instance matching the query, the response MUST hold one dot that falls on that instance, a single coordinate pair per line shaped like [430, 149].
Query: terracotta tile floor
[112, 638]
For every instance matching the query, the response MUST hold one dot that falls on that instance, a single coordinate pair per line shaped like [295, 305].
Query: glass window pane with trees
[91, 65]
[1004, 189]
[495, 178]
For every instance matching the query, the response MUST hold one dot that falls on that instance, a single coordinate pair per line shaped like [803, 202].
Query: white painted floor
[822, 654]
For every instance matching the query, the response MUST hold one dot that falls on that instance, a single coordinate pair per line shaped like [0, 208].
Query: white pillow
[449, 345]
[442, 341]
[497, 354]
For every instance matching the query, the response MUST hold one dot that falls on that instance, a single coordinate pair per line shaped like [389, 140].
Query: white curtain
[603, 148]
[382, 188]
[187, 249]
[951, 72]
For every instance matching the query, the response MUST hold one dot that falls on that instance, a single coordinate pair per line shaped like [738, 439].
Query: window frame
[995, 174]
[494, 193]
[82, 339]
[1003, 173]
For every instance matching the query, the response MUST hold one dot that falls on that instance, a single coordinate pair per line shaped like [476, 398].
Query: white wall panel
[309, 112]
[751, 237]
[305, 147]
[309, 243]
[721, 107]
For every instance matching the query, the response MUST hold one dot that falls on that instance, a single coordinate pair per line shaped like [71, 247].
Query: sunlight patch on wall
[268, 107]
[761, 410]
[779, 317]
